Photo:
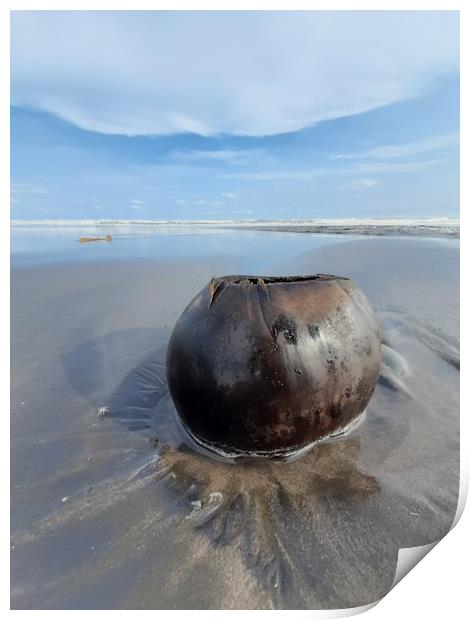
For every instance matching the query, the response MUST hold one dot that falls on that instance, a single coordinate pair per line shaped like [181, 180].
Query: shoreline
[425, 227]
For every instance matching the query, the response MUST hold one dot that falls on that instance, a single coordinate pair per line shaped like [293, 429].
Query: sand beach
[112, 505]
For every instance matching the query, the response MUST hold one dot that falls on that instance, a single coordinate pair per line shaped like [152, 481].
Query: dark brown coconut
[267, 366]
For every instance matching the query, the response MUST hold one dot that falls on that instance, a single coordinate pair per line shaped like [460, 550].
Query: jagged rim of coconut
[268, 280]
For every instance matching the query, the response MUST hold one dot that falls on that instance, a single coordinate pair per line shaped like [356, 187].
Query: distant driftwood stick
[89, 239]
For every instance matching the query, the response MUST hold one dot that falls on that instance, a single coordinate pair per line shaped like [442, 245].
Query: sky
[234, 115]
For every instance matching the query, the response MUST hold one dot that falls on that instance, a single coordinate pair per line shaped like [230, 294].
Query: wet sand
[113, 508]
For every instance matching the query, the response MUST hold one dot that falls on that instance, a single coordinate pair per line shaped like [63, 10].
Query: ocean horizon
[427, 221]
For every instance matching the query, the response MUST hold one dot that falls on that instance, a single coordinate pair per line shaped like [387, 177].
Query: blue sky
[162, 115]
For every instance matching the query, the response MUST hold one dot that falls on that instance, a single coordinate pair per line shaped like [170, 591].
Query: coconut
[268, 366]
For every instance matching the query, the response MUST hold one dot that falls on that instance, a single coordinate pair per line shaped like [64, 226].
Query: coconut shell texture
[261, 366]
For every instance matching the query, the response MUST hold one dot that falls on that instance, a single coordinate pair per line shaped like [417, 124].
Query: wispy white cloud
[365, 183]
[395, 167]
[408, 149]
[136, 204]
[358, 184]
[353, 168]
[27, 188]
[203, 202]
[230, 195]
[294, 69]
[232, 156]
[275, 175]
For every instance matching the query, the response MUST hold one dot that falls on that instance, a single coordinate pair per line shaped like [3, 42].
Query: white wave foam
[346, 222]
